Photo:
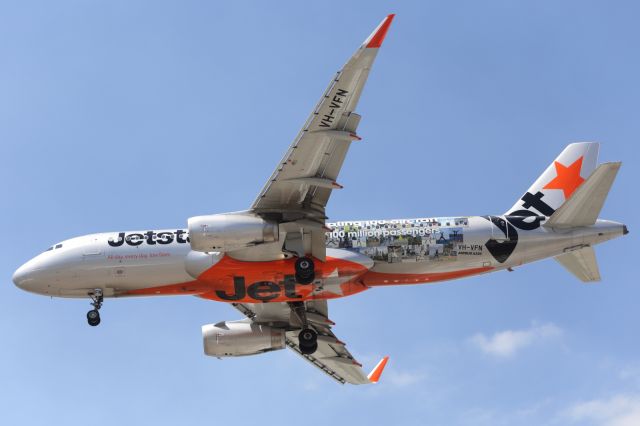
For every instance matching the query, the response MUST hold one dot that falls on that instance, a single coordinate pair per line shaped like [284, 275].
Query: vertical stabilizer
[559, 181]
[584, 206]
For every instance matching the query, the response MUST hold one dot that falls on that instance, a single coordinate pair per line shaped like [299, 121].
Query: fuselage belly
[360, 255]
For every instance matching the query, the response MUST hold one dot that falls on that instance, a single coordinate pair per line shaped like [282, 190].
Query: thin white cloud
[506, 343]
[403, 378]
[311, 385]
[619, 410]
[631, 373]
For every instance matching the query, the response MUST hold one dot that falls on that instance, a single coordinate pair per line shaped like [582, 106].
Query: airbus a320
[280, 261]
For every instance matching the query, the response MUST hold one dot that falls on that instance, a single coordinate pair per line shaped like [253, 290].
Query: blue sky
[120, 115]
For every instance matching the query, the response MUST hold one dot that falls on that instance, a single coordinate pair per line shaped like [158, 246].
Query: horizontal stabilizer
[581, 263]
[584, 206]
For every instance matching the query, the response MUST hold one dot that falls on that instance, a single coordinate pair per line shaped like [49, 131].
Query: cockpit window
[57, 246]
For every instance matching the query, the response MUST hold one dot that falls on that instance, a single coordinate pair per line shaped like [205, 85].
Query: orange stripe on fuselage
[374, 279]
[232, 280]
[273, 281]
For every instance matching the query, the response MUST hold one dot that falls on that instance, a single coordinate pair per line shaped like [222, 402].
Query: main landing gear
[307, 338]
[305, 270]
[93, 316]
[308, 341]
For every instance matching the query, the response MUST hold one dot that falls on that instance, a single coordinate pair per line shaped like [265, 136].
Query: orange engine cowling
[239, 338]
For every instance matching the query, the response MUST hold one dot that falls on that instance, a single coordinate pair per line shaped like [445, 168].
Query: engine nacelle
[230, 231]
[238, 338]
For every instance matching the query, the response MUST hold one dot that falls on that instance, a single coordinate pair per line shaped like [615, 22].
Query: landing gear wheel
[93, 317]
[308, 350]
[308, 341]
[307, 337]
[305, 270]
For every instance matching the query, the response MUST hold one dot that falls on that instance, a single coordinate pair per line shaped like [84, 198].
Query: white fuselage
[387, 251]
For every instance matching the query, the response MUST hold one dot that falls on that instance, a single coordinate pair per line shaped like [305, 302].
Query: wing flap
[333, 359]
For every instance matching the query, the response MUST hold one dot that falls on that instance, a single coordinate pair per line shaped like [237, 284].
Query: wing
[331, 357]
[302, 182]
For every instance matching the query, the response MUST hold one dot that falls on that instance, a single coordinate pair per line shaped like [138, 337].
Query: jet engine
[238, 338]
[230, 231]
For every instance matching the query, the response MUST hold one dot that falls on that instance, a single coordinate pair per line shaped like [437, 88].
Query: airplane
[279, 262]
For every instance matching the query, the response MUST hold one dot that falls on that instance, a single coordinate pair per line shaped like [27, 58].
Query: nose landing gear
[93, 316]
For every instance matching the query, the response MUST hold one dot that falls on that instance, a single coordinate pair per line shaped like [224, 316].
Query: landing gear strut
[93, 316]
[307, 338]
[305, 270]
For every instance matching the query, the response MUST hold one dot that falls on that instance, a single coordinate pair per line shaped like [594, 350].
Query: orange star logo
[568, 178]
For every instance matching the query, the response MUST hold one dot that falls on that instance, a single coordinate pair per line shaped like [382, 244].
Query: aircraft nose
[45, 273]
[23, 275]
[33, 276]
